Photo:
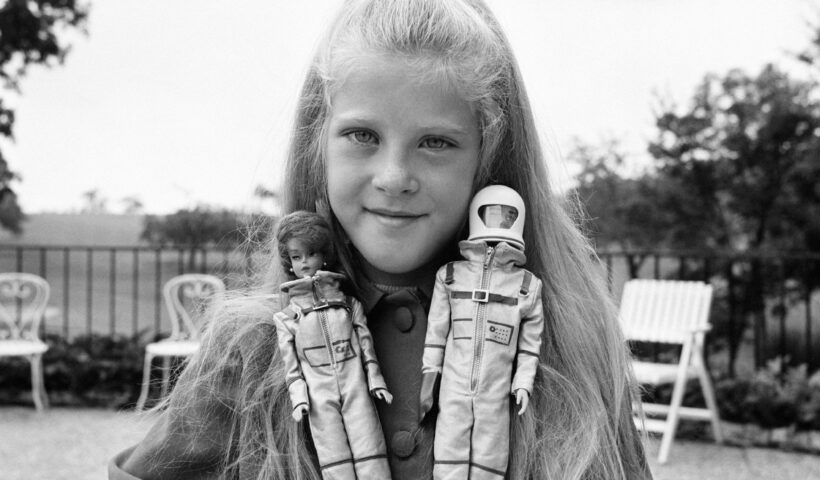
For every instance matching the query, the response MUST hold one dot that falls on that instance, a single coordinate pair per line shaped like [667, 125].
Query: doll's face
[305, 262]
[402, 154]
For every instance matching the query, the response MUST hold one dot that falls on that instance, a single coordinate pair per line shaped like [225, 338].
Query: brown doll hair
[309, 228]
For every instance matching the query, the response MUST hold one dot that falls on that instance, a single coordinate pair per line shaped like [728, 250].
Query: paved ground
[77, 443]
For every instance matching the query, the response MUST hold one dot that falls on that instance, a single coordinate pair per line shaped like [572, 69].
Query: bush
[89, 370]
[772, 397]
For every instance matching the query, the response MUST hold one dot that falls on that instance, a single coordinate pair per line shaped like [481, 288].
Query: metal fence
[115, 289]
[765, 306]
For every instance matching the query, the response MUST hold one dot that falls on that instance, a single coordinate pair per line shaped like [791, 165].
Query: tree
[94, 202]
[622, 211]
[742, 165]
[29, 35]
[202, 227]
[744, 160]
[132, 204]
[735, 171]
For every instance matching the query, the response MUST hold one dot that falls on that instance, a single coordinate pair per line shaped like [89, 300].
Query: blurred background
[141, 139]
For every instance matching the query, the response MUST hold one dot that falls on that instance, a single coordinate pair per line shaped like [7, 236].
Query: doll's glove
[427, 395]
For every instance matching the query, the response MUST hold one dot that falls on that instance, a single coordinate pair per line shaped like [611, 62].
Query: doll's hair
[579, 424]
[310, 229]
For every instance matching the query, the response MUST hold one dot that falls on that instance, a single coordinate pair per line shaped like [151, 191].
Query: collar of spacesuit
[305, 285]
[505, 254]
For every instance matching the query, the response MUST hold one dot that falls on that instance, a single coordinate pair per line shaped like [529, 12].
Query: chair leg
[711, 403]
[672, 419]
[37, 383]
[146, 379]
[166, 375]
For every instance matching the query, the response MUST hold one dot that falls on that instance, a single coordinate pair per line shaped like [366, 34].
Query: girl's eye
[435, 143]
[362, 136]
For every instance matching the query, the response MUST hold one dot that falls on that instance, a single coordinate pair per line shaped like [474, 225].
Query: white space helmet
[497, 214]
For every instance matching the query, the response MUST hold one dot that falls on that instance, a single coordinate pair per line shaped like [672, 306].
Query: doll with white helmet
[483, 339]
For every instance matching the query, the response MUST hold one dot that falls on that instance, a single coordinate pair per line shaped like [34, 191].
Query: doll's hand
[427, 393]
[383, 394]
[522, 397]
[299, 412]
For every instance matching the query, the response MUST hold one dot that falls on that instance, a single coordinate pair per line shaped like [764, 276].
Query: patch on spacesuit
[498, 333]
[319, 356]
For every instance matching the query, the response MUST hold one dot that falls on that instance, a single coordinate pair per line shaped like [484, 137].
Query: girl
[409, 107]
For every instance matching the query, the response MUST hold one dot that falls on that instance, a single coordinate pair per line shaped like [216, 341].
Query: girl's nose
[393, 174]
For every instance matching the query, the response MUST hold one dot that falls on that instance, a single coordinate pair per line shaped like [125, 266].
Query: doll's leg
[490, 438]
[452, 442]
[329, 437]
[364, 432]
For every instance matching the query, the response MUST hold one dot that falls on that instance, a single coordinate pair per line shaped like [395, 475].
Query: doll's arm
[529, 343]
[438, 327]
[297, 388]
[375, 380]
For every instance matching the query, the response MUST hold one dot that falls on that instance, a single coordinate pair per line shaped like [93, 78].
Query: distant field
[93, 299]
[95, 290]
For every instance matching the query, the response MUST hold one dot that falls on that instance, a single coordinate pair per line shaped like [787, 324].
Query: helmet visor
[498, 216]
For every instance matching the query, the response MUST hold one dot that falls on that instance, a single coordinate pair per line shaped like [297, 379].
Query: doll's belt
[483, 296]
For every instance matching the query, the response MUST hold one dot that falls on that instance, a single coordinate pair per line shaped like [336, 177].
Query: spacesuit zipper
[478, 336]
[323, 324]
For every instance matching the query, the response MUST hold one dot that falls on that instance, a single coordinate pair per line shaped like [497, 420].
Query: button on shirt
[398, 323]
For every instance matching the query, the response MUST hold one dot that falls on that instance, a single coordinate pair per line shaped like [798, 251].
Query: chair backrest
[664, 311]
[185, 298]
[23, 301]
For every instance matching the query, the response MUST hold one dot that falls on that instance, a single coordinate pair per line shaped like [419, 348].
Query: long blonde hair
[579, 424]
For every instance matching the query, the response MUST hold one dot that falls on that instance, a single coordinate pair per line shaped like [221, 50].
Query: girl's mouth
[393, 218]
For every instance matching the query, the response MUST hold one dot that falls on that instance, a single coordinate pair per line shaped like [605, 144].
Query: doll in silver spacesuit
[483, 339]
[327, 349]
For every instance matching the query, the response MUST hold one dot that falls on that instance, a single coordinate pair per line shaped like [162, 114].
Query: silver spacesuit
[326, 347]
[484, 336]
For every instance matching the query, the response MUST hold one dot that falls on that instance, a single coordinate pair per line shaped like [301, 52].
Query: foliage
[772, 397]
[737, 171]
[205, 227]
[744, 159]
[90, 370]
[623, 211]
[29, 36]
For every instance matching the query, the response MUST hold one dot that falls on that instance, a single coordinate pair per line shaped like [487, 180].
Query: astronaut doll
[330, 363]
[483, 338]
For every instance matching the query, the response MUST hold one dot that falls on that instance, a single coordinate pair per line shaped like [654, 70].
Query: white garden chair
[185, 296]
[23, 300]
[671, 312]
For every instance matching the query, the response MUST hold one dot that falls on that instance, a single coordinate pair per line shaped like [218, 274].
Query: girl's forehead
[392, 90]
[422, 70]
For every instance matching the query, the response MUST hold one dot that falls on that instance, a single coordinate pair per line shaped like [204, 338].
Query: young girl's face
[401, 157]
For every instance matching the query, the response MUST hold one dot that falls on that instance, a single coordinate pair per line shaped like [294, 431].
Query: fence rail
[114, 289]
[765, 306]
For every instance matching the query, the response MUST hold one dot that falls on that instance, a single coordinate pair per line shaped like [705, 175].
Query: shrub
[772, 397]
[88, 370]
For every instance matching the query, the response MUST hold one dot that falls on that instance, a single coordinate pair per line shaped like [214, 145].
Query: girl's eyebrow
[442, 127]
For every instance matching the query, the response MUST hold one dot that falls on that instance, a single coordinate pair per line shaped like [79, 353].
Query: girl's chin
[393, 261]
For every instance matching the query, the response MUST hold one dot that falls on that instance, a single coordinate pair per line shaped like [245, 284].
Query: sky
[186, 103]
